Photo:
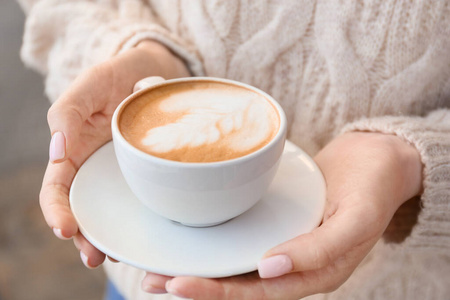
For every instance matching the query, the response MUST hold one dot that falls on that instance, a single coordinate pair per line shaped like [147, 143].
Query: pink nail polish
[57, 146]
[274, 266]
[154, 290]
[59, 234]
[85, 261]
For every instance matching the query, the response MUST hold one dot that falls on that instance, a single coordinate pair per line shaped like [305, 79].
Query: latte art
[201, 123]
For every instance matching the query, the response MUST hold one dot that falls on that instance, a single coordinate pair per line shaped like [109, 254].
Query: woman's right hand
[80, 121]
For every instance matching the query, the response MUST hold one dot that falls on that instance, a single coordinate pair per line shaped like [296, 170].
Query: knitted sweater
[334, 66]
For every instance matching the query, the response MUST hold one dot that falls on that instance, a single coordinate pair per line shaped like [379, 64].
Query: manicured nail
[154, 290]
[57, 146]
[172, 290]
[85, 259]
[59, 234]
[112, 259]
[274, 266]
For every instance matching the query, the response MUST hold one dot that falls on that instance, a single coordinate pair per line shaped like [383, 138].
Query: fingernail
[59, 234]
[112, 259]
[57, 146]
[154, 290]
[274, 266]
[85, 259]
[172, 290]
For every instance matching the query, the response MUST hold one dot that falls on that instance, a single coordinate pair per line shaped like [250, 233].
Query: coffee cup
[198, 151]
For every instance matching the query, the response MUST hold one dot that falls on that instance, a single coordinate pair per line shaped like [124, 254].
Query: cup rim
[117, 135]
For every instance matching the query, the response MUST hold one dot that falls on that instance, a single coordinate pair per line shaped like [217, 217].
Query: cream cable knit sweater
[380, 65]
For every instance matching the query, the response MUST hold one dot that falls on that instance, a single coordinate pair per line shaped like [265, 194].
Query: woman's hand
[368, 175]
[80, 123]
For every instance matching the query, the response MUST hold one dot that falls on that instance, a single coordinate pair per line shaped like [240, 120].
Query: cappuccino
[201, 121]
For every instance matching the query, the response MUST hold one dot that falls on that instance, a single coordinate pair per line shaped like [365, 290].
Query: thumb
[65, 120]
[340, 234]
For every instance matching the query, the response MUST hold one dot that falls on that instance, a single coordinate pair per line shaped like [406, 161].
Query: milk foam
[241, 120]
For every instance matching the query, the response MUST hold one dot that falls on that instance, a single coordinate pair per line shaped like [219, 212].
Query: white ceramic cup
[198, 194]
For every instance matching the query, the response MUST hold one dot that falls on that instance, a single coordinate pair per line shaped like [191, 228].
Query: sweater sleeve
[431, 136]
[62, 38]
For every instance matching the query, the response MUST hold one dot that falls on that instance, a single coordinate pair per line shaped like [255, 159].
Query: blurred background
[33, 263]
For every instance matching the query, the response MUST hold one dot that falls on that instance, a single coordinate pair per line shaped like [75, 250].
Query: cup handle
[146, 82]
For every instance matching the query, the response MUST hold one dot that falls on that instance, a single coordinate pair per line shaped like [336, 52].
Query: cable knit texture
[334, 66]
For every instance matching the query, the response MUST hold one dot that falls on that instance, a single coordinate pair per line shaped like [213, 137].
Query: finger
[90, 256]
[204, 288]
[247, 286]
[155, 283]
[250, 286]
[66, 116]
[54, 199]
[323, 246]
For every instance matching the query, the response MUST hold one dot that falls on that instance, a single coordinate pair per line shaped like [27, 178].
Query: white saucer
[115, 222]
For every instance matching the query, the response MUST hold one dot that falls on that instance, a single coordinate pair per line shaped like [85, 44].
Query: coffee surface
[199, 122]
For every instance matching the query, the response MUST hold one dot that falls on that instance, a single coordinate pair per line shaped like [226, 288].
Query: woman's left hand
[368, 175]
